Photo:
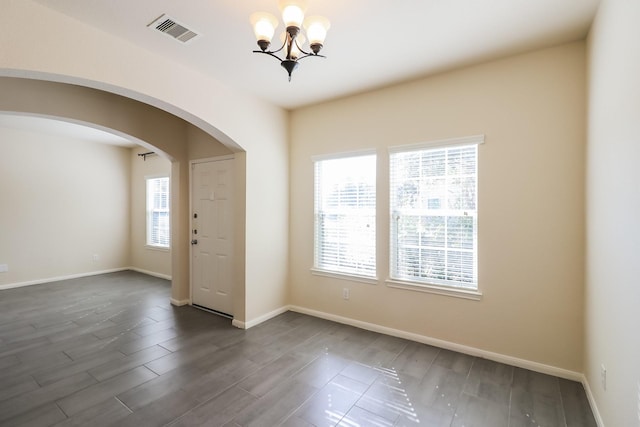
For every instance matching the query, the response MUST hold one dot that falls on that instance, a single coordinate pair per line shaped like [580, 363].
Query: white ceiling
[371, 43]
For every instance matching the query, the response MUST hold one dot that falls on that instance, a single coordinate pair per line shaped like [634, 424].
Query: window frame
[150, 210]
[429, 285]
[320, 270]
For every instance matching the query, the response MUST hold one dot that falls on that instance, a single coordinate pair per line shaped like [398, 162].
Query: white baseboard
[592, 402]
[179, 302]
[253, 322]
[472, 351]
[238, 324]
[59, 278]
[151, 273]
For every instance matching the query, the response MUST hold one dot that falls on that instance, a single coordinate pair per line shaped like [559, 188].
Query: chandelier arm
[281, 47]
[273, 52]
[313, 55]
[301, 50]
[270, 53]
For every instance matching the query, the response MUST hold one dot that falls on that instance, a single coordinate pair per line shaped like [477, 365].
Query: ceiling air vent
[170, 27]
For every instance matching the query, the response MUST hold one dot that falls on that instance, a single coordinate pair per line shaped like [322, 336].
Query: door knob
[194, 242]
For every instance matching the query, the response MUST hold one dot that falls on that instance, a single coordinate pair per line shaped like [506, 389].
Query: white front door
[212, 235]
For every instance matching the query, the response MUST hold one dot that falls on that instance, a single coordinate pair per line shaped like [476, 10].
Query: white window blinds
[434, 215]
[345, 215]
[158, 233]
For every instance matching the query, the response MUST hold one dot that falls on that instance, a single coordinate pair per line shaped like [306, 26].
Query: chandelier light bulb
[292, 12]
[316, 28]
[264, 26]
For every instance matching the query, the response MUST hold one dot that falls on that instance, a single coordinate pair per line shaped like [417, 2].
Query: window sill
[157, 248]
[344, 276]
[435, 289]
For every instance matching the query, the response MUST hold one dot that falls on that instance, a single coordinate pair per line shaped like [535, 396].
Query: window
[434, 223]
[158, 234]
[345, 215]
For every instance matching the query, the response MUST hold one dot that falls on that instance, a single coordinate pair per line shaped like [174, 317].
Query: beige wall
[531, 108]
[152, 260]
[203, 146]
[613, 203]
[61, 202]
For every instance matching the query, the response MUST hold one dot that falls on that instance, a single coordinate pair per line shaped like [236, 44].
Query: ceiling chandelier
[293, 40]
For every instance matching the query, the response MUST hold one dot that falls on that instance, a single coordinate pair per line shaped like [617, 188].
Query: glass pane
[345, 242]
[406, 194]
[460, 267]
[461, 193]
[158, 229]
[408, 230]
[433, 193]
[462, 160]
[433, 163]
[433, 264]
[345, 203]
[433, 228]
[408, 261]
[432, 231]
[460, 232]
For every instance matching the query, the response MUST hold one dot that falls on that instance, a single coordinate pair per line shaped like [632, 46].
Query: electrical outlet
[96, 257]
[603, 377]
[345, 293]
[4, 268]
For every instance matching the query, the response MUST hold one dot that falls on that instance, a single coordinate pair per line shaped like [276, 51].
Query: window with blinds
[434, 223]
[345, 215]
[158, 233]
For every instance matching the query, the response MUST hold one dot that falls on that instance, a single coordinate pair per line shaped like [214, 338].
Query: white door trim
[213, 159]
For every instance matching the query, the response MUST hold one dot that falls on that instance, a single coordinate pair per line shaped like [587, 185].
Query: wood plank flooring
[111, 350]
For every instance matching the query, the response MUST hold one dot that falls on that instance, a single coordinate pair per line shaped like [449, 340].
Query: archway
[162, 132]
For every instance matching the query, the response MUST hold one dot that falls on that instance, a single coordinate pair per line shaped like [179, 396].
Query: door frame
[192, 164]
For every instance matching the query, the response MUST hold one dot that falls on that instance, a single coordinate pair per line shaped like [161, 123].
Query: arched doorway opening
[159, 131]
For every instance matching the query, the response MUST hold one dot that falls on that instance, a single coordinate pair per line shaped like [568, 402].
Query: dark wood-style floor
[111, 350]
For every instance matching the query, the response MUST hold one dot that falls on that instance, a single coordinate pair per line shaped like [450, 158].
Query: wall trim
[472, 351]
[59, 278]
[238, 324]
[179, 302]
[592, 401]
[253, 322]
[213, 159]
[151, 273]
